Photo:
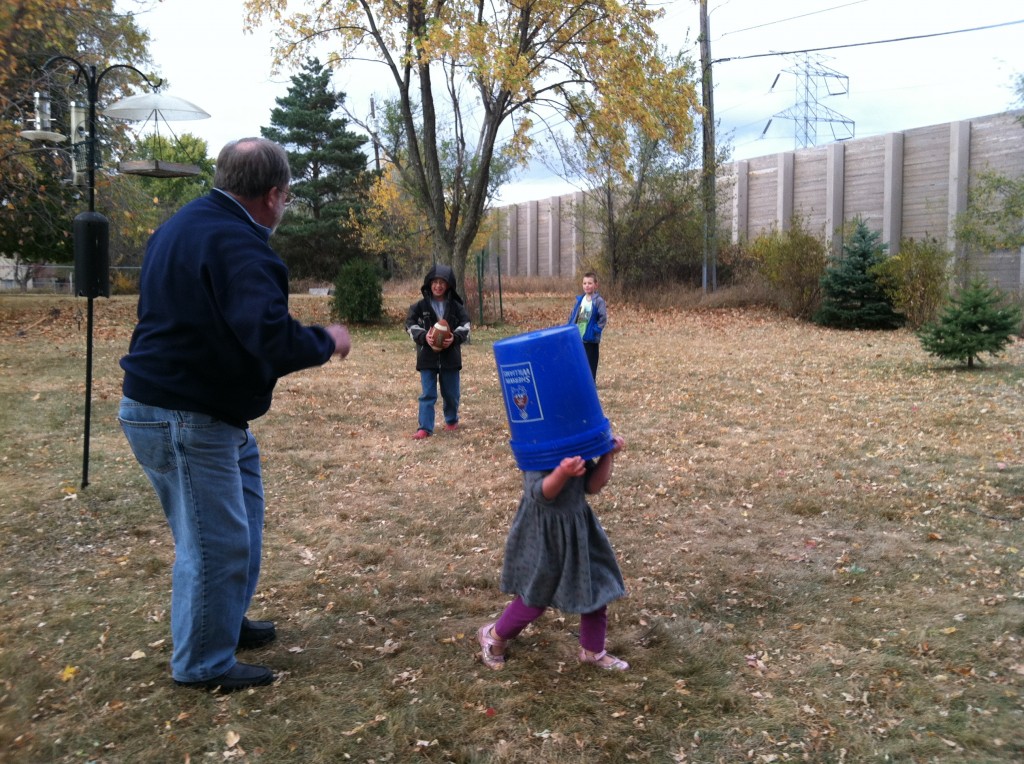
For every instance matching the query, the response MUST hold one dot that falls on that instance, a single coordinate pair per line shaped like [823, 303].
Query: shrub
[358, 293]
[978, 320]
[916, 279]
[735, 267]
[853, 298]
[124, 283]
[995, 214]
[792, 263]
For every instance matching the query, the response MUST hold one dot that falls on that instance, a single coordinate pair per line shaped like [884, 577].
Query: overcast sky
[871, 89]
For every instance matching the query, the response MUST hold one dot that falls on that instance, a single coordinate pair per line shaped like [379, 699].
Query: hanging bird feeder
[154, 109]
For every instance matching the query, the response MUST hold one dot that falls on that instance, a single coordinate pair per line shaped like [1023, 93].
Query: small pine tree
[852, 297]
[978, 320]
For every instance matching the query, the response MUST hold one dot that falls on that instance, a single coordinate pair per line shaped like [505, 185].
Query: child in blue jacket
[590, 314]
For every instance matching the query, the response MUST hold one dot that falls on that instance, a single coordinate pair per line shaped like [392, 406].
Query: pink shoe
[451, 427]
[603, 660]
[489, 645]
[420, 435]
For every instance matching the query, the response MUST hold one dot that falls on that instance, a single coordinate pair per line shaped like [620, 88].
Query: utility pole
[709, 278]
[376, 146]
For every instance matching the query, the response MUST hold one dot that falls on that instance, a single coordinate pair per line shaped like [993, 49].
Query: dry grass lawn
[820, 532]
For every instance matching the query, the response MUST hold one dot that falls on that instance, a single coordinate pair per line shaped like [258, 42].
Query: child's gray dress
[557, 553]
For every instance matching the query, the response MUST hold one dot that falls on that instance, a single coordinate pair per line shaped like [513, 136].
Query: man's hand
[342, 342]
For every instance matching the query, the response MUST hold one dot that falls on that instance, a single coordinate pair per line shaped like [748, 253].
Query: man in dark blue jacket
[213, 336]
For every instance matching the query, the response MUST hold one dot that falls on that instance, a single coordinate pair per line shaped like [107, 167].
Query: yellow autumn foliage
[494, 66]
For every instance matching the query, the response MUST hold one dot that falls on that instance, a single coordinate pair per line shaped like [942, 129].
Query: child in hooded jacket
[442, 368]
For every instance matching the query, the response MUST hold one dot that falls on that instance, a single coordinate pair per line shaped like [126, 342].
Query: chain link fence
[60, 279]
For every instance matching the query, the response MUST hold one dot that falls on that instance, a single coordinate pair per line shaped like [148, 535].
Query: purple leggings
[517, 616]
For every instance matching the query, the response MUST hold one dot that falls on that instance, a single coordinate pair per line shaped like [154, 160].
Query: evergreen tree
[852, 297]
[329, 180]
[978, 320]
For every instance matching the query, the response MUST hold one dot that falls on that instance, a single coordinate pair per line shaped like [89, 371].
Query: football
[441, 332]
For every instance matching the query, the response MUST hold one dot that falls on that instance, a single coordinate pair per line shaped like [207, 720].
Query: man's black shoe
[256, 634]
[239, 677]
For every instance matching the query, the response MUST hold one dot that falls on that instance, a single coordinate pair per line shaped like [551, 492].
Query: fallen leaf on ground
[365, 725]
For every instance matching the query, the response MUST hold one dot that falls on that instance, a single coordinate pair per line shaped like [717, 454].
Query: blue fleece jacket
[598, 317]
[214, 333]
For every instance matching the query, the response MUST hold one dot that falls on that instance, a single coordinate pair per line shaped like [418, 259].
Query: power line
[872, 42]
[792, 18]
[550, 128]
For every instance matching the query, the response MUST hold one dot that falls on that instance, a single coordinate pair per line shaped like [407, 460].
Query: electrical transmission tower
[813, 77]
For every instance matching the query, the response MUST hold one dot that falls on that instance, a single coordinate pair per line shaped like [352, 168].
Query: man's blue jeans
[207, 476]
[449, 379]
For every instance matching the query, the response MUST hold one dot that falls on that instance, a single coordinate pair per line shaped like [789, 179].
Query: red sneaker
[451, 427]
[420, 435]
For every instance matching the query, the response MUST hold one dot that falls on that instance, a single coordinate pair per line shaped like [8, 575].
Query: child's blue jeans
[450, 393]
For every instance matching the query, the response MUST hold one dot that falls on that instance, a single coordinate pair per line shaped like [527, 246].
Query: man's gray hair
[250, 167]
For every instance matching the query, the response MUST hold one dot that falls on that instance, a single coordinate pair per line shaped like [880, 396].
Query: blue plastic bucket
[550, 398]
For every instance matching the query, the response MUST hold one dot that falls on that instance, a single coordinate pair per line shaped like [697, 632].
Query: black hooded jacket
[422, 316]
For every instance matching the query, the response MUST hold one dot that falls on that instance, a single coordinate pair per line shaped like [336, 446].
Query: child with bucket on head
[557, 553]
[441, 301]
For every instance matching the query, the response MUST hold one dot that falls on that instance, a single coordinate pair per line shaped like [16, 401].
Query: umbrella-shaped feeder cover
[156, 107]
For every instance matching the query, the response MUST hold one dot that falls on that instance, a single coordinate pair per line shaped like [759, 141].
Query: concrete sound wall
[910, 184]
